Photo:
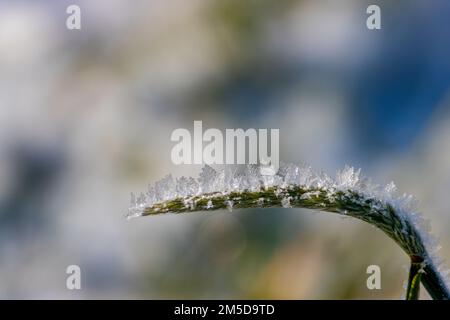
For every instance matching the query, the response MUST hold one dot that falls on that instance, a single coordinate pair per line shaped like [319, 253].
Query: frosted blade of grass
[347, 194]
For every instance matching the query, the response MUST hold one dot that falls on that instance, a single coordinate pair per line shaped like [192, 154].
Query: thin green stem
[415, 274]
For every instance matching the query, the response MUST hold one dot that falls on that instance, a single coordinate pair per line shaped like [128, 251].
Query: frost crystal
[230, 204]
[286, 202]
[260, 201]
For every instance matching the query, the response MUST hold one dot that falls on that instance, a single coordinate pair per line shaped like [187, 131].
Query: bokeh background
[86, 118]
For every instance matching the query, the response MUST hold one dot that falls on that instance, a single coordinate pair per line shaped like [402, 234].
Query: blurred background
[86, 117]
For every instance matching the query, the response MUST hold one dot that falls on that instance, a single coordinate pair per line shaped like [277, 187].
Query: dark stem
[435, 286]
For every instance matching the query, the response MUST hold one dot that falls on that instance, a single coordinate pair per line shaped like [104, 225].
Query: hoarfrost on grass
[225, 181]
[228, 180]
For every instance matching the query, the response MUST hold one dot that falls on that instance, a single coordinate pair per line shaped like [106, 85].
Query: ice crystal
[230, 204]
[286, 202]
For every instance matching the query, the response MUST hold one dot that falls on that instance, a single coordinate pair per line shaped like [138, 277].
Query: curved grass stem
[348, 195]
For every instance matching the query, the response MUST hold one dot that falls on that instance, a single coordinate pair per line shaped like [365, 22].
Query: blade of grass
[295, 187]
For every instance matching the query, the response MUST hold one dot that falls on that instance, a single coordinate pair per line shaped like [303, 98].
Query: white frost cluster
[250, 179]
[229, 180]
